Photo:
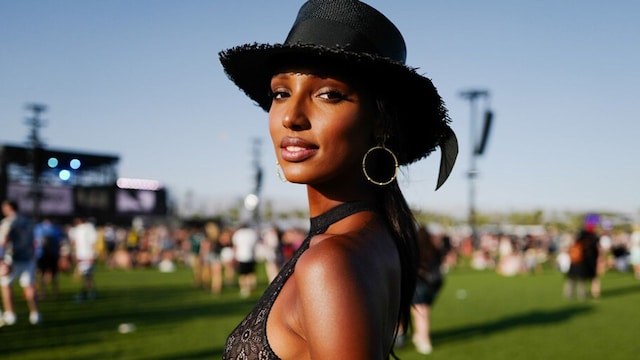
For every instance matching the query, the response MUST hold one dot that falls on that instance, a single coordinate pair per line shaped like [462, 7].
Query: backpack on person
[576, 253]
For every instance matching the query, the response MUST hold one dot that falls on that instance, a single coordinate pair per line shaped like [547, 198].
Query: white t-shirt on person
[84, 237]
[244, 241]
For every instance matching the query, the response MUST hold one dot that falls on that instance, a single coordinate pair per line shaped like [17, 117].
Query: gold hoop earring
[376, 174]
[280, 176]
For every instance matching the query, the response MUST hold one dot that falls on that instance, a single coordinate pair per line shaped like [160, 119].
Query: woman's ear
[379, 130]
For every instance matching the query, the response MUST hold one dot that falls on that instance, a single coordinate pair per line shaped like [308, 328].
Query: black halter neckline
[320, 223]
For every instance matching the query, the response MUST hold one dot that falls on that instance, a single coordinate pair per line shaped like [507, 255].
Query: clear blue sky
[141, 79]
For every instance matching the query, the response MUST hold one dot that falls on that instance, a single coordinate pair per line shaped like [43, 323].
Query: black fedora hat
[353, 35]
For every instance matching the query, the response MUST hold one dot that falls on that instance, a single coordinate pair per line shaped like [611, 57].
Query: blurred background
[120, 112]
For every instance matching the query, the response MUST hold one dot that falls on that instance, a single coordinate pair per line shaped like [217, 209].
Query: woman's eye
[279, 94]
[333, 95]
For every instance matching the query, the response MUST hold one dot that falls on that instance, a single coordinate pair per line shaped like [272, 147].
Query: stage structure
[477, 148]
[63, 184]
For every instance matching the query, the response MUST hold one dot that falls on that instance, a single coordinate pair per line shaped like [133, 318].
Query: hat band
[331, 34]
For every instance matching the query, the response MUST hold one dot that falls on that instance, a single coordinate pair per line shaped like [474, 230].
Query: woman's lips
[296, 149]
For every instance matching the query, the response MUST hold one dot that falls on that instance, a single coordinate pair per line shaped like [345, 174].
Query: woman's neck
[320, 199]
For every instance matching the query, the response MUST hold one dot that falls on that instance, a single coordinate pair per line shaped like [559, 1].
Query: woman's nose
[295, 114]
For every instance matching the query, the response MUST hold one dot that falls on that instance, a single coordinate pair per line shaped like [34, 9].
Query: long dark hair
[401, 223]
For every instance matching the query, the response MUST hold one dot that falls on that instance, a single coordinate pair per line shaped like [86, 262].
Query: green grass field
[478, 315]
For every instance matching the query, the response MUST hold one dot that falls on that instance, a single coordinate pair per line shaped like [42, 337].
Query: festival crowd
[222, 256]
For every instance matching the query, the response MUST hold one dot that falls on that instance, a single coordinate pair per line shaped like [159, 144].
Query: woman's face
[320, 126]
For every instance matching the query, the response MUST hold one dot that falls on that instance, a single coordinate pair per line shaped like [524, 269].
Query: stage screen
[56, 201]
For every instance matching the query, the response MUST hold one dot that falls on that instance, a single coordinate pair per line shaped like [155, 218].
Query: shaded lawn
[477, 315]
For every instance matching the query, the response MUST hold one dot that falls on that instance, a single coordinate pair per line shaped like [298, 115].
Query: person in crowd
[227, 257]
[196, 238]
[17, 242]
[134, 240]
[510, 261]
[204, 254]
[110, 244]
[245, 239]
[620, 254]
[143, 253]
[83, 236]
[121, 256]
[595, 265]
[65, 264]
[271, 242]
[430, 280]
[49, 236]
[634, 252]
[344, 112]
[292, 238]
[582, 268]
[563, 260]
[449, 253]
[213, 257]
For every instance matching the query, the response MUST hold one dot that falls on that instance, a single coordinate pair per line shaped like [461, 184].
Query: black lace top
[248, 341]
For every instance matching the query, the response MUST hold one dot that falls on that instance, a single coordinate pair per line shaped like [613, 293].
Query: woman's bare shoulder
[337, 306]
[327, 256]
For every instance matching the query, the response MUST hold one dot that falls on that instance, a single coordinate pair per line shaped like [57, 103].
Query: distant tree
[434, 218]
[526, 218]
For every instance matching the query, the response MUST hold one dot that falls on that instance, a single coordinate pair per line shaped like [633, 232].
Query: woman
[344, 112]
